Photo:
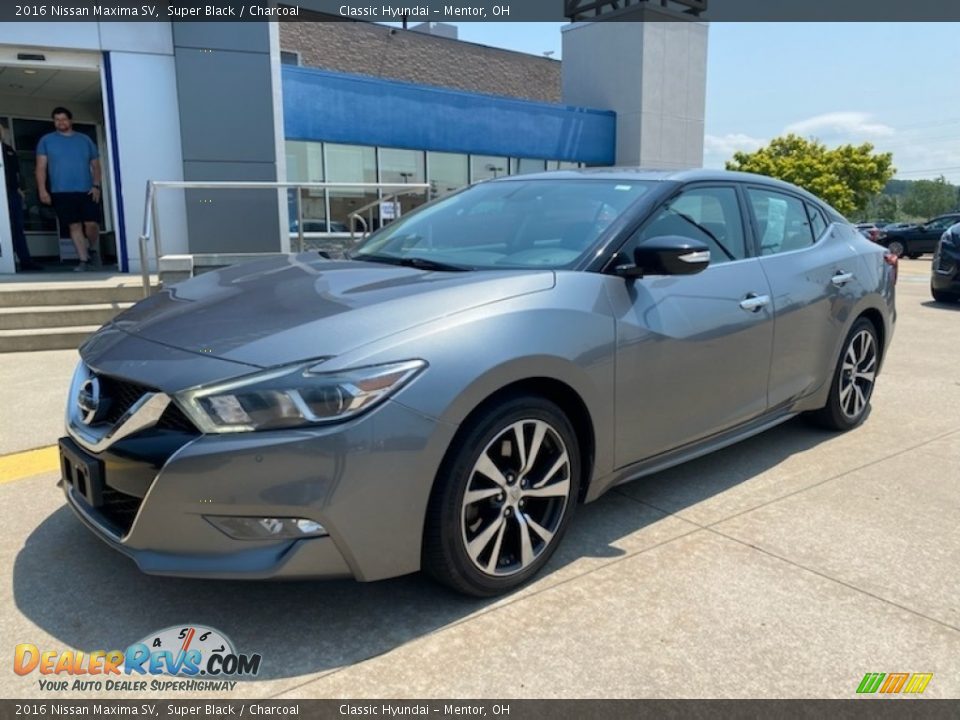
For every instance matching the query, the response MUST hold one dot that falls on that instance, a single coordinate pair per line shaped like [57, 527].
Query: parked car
[945, 269]
[445, 397]
[916, 240]
[890, 227]
[871, 231]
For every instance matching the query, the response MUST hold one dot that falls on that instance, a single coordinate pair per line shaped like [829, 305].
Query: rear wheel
[503, 498]
[853, 379]
[896, 247]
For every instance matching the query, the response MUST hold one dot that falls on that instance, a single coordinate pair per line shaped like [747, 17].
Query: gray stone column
[653, 74]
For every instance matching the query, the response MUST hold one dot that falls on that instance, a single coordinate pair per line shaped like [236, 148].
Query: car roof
[678, 176]
[632, 173]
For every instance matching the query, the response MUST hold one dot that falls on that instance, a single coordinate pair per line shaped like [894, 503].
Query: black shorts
[75, 207]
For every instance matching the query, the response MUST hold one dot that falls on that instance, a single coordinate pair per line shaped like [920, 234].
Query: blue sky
[891, 84]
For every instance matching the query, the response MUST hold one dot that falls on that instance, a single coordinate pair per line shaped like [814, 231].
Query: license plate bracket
[82, 472]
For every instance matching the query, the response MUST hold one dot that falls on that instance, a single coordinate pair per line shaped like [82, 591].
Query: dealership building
[331, 102]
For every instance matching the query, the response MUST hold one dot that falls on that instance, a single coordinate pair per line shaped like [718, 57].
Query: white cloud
[727, 145]
[850, 124]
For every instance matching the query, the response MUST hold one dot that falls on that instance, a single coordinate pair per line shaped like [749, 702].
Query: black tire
[833, 415]
[445, 545]
[914, 256]
[944, 297]
[897, 247]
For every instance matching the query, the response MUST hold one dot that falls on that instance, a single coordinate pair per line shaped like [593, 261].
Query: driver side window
[708, 215]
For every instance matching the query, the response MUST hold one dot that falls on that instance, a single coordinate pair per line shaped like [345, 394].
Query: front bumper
[367, 481]
[945, 271]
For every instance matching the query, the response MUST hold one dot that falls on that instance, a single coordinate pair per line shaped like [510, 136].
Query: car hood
[286, 309]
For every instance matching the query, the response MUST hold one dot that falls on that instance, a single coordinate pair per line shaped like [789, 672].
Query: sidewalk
[33, 395]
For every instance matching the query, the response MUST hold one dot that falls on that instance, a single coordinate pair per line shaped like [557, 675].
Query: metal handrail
[356, 214]
[151, 224]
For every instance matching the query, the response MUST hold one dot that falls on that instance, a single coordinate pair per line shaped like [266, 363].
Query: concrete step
[13, 295]
[65, 338]
[58, 316]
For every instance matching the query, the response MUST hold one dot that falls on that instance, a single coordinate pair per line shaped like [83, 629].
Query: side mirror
[667, 255]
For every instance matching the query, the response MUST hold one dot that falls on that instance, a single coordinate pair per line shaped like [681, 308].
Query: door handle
[753, 302]
[841, 278]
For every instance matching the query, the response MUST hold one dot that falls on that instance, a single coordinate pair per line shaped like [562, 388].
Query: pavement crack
[838, 581]
[497, 608]
[831, 478]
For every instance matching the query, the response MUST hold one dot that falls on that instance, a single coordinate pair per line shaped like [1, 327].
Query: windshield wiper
[415, 262]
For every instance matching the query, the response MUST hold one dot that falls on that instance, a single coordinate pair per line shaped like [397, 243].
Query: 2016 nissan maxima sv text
[445, 396]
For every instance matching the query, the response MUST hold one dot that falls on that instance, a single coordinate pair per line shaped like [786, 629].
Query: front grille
[119, 509]
[174, 419]
[122, 395]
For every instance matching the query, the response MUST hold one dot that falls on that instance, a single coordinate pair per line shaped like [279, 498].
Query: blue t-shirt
[68, 161]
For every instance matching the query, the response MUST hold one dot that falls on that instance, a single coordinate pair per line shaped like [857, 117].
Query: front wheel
[503, 498]
[853, 379]
[897, 247]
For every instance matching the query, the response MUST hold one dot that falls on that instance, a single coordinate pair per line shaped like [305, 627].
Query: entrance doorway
[28, 93]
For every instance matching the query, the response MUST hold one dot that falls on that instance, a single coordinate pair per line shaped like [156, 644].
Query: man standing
[74, 167]
[11, 172]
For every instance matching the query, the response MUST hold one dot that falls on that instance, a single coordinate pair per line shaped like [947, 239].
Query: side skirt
[689, 452]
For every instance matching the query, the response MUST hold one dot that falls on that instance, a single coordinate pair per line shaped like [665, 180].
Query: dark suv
[916, 240]
[945, 278]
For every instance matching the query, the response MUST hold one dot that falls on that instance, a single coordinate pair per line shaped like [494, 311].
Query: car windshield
[512, 224]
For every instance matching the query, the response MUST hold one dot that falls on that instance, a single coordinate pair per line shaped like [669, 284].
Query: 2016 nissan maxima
[445, 396]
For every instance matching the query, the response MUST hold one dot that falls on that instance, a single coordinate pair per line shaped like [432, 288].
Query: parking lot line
[18, 466]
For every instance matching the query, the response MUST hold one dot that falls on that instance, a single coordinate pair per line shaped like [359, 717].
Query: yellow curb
[18, 466]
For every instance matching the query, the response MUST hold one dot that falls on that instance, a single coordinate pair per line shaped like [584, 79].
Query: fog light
[260, 528]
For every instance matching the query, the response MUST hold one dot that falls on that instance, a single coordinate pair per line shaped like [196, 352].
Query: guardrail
[151, 223]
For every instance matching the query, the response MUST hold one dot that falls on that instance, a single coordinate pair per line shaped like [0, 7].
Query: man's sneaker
[82, 267]
[95, 259]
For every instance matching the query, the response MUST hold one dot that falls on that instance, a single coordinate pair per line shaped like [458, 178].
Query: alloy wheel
[858, 373]
[515, 497]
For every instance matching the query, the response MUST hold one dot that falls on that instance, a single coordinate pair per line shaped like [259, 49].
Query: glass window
[484, 167]
[304, 161]
[710, 215]
[447, 172]
[782, 222]
[817, 222]
[352, 164]
[523, 166]
[402, 167]
[288, 57]
[518, 224]
[305, 164]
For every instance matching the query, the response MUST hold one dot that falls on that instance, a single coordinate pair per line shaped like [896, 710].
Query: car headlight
[294, 396]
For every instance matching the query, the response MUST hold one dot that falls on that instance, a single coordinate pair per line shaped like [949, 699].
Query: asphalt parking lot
[787, 566]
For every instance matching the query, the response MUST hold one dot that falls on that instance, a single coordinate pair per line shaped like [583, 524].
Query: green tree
[847, 177]
[884, 207]
[926, 198]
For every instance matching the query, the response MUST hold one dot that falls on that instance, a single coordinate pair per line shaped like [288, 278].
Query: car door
[693, 351]
[812, 269]
[929, 234]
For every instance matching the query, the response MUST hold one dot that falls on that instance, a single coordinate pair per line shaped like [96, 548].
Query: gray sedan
[446, 395]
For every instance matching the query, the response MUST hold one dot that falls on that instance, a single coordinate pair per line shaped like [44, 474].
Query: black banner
[867, 709]
[415, 11]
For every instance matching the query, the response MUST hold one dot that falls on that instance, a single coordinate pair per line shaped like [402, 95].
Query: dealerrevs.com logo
[201, 658]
